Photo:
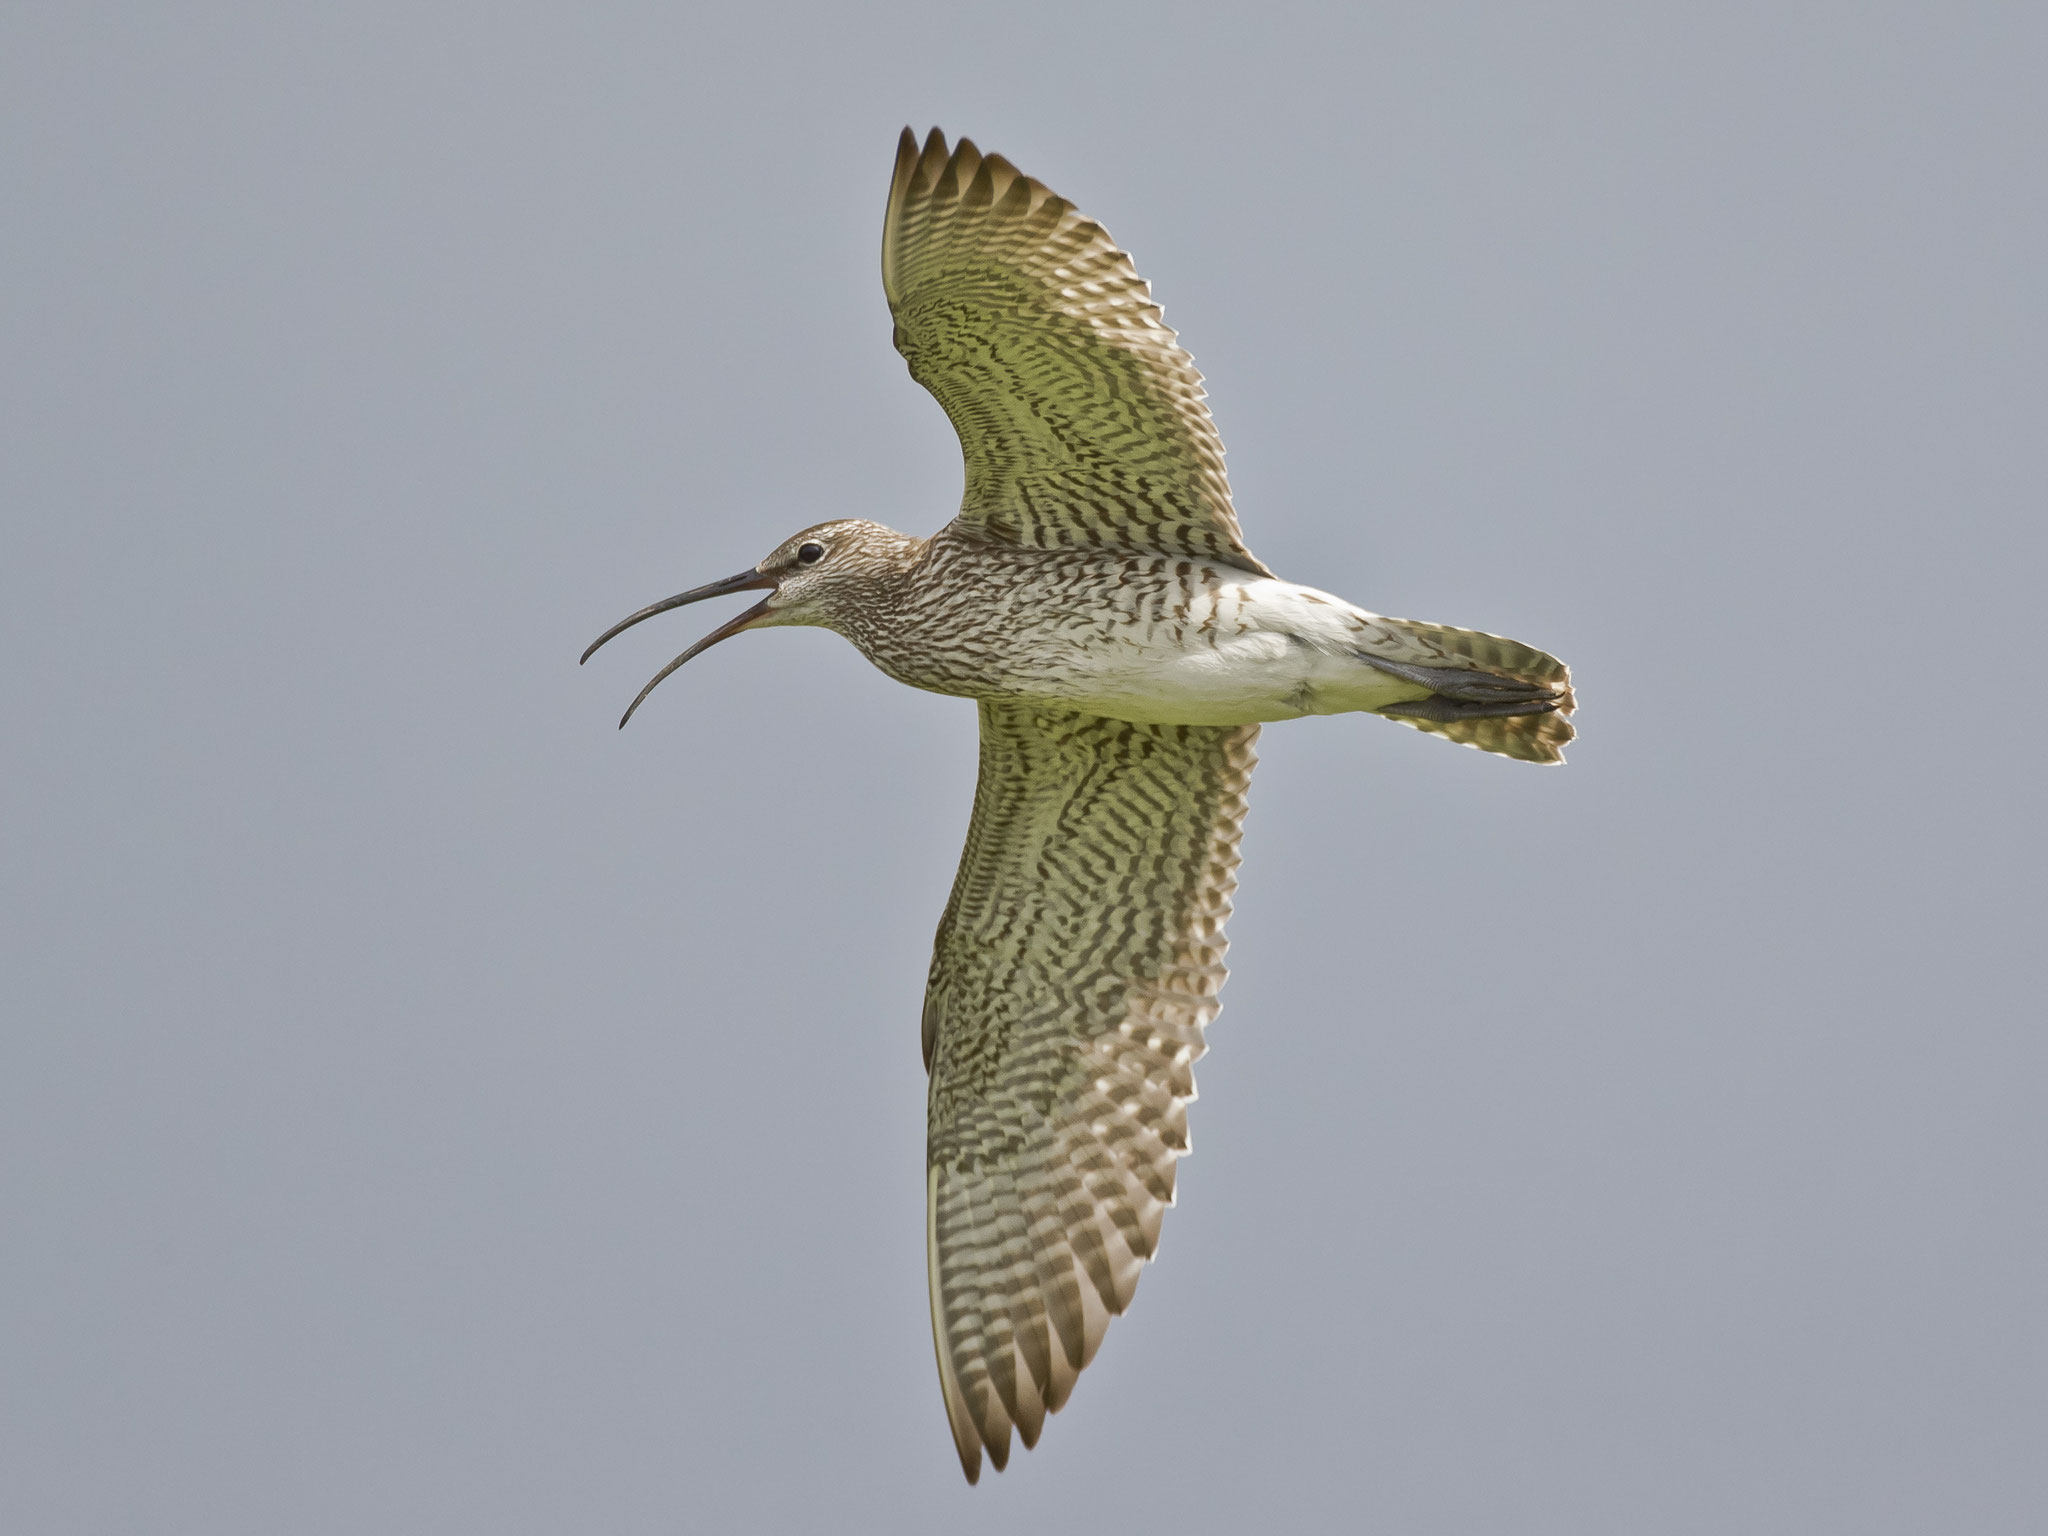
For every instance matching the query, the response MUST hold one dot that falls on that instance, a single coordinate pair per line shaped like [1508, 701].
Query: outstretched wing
[1075, 969]
[1081, 419]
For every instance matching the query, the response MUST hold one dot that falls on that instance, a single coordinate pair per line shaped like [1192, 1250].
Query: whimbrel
[1096, 598]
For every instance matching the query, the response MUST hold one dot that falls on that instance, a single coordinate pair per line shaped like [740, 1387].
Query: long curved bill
[746, 581]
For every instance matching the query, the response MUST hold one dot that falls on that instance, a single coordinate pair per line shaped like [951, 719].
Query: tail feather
[1533, 728]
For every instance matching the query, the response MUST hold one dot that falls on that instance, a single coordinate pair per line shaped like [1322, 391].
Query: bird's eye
[809, 554]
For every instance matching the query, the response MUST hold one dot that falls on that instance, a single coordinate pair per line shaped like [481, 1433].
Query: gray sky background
[424, 1108]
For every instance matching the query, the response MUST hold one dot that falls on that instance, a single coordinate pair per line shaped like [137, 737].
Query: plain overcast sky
[424, 1108]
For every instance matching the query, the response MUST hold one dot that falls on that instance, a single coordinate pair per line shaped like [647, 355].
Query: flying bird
[1095, 597]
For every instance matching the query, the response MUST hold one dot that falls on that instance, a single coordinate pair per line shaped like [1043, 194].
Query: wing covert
[1082, 421]
[1075, 969]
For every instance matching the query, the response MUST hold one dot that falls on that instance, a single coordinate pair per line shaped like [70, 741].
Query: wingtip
[915, 168]
[966, 1440]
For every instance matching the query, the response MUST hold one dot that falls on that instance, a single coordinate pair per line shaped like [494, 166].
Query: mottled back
[1082, 422]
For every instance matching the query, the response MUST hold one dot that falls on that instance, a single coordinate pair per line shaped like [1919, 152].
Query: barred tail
[1491, 693]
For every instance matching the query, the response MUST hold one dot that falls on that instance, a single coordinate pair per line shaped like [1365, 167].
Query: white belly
[1253, 651]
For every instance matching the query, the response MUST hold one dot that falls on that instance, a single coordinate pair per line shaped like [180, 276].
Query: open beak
[746, 581]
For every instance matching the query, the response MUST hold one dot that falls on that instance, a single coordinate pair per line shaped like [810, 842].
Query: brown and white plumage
[1076, 966]
[1082, 421]
[1081, 953]
[1095, 596]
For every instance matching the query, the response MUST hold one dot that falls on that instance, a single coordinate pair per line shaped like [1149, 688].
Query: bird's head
[826, 575]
